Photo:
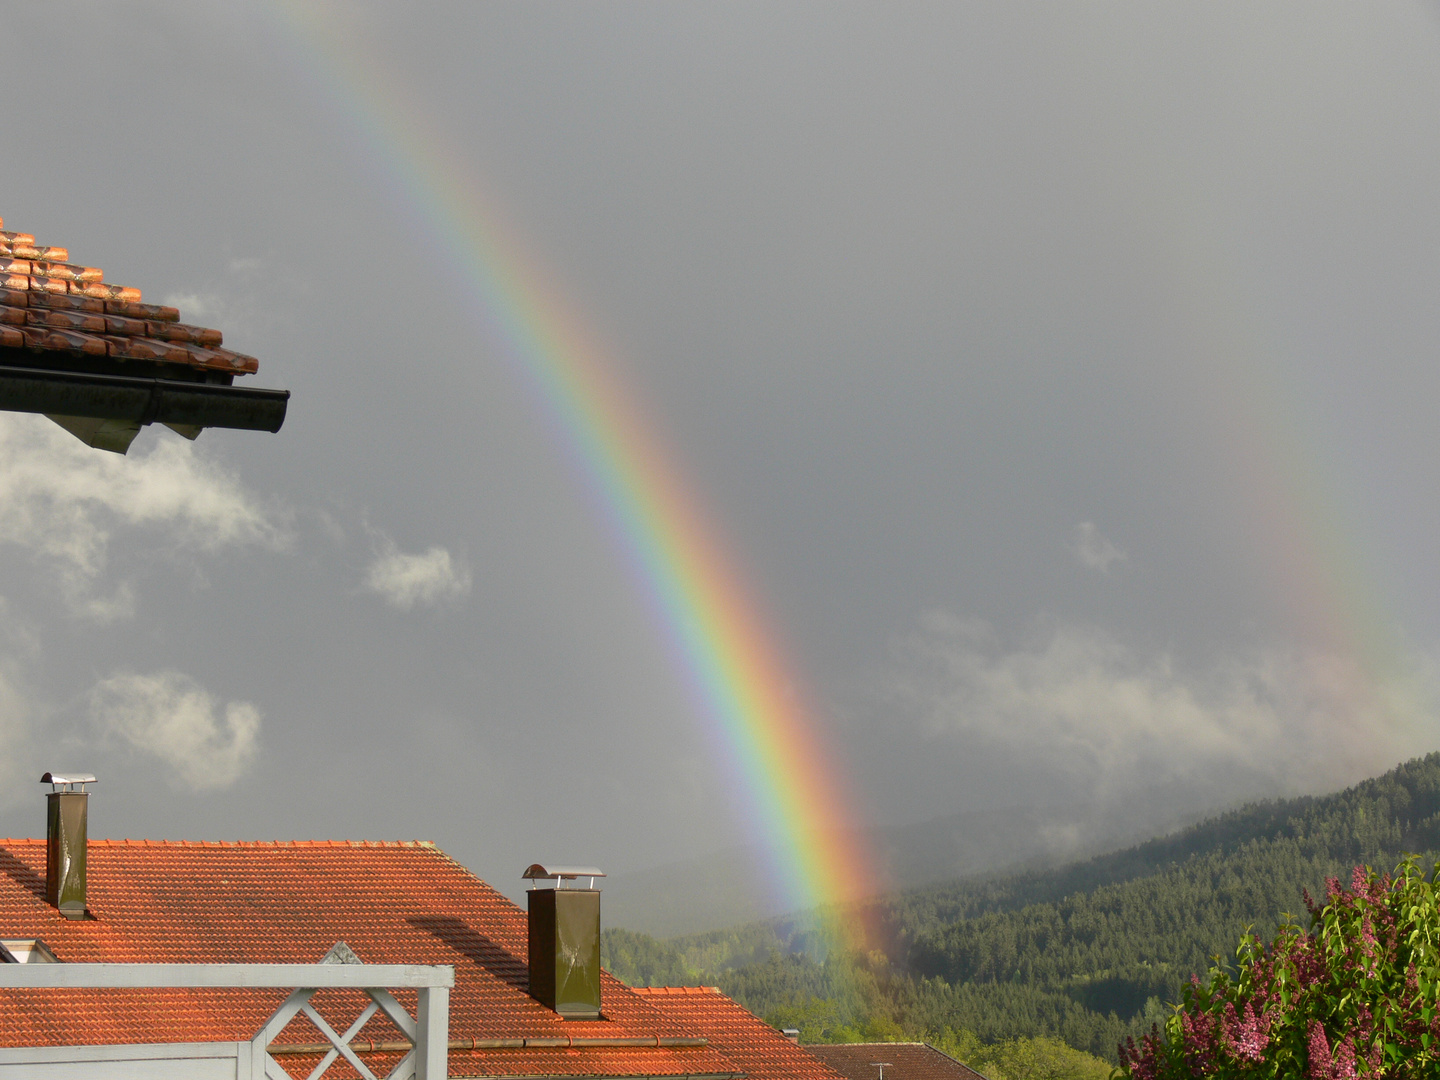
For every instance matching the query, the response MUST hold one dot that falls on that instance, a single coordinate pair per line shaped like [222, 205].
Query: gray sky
[1062, 376]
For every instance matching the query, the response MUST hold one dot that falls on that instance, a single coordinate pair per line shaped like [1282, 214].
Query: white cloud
[208, 309]
[172, 717]
[406, 580]
[20, 716]
[64, 501]
[25, 713]
[1093, 550]
[253, 296]
[1075, 701]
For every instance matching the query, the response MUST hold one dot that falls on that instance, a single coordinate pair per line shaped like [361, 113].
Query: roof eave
[141, 400]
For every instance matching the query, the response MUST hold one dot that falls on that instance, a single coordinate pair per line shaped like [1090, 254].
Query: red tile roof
[59, 312]
[904, 1061]
[739, 1034]
[290, 902]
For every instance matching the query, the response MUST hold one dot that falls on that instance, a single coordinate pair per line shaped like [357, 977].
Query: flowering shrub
[1354, 997]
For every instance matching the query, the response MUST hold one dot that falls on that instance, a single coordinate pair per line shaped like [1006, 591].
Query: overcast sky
[1062, 377]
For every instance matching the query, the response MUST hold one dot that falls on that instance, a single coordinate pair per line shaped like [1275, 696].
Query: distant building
[900, 1061]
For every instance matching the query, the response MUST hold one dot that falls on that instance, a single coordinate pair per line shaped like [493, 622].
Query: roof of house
[187, 902]
[903, 1061]
[61, 313]
[739, 1034]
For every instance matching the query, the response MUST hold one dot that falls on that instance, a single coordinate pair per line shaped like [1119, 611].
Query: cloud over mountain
[1074, 701]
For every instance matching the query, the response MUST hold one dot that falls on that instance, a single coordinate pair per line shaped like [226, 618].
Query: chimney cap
[561, 873]
[68, 782]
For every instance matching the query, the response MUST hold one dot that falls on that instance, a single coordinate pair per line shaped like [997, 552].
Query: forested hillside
[1088, 952]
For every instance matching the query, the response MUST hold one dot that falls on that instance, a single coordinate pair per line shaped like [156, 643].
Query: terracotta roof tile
[34, 276]
[394, 902]
[739, 1034]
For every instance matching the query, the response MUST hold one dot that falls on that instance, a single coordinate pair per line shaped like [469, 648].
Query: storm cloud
[1106, 330]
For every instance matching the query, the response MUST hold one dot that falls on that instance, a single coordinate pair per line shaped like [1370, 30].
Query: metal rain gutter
[141, 400]
[371, 1046]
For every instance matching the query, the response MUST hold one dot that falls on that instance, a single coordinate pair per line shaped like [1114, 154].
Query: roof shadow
[484, 952]
[21, 873]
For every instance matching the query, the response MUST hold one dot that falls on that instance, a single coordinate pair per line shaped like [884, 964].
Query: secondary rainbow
[734, 669]
[1319, 553]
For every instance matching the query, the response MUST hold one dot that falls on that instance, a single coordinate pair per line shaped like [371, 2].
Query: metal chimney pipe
[65, 843]
[564, 927]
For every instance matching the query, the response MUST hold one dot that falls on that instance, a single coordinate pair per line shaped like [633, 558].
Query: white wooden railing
[428, 1031]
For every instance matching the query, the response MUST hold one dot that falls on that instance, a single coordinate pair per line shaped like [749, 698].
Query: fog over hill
[734, 886]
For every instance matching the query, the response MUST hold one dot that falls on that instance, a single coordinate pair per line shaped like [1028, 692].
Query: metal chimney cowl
[65, 843]
[564, 932]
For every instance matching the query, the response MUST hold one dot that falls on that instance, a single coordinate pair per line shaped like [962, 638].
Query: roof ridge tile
[104, 841]
[246, 844]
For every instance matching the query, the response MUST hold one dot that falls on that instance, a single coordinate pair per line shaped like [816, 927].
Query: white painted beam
[278, 976]
[241, 1061]
[158, 1061]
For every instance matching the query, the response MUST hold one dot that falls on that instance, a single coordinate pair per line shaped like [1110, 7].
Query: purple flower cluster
[1354, 997]
[1245, 1035]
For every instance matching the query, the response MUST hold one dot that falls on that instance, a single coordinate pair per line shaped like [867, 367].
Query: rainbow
[733, 667]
